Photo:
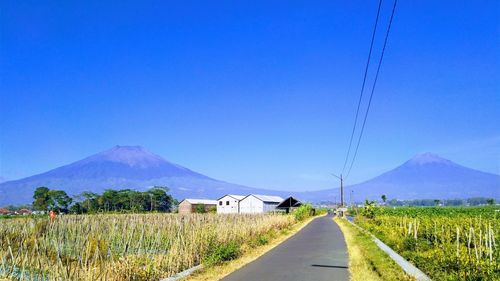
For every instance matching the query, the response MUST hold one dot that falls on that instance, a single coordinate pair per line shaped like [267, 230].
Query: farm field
[127, 247]
[447, 243]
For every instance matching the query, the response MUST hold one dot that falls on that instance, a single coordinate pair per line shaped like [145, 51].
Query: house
[289, 204]
[4, 211]
[188, 206]
[24, 212]
[229, 204]
[255, 204]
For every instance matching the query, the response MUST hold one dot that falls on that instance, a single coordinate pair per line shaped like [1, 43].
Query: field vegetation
[127, 246]
[447, 243]
[366, 260]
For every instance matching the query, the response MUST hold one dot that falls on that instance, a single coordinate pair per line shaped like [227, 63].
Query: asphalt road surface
[317, 252]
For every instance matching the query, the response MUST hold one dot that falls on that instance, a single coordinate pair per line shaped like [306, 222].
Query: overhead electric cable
[363, 85]
[373, 87]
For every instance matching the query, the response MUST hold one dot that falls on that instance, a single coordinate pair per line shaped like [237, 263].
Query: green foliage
[368, 210]
[161, 200]
[200, 209]
[46, 199]
[321, 211]
[416, 212]
[447, 243]
[262, 239]
[221, 253]
[303, 212]
[384, 198]
[41, 199]
[156, 199]
[59, 201]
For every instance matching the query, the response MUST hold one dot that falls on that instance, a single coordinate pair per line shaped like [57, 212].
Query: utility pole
[341, 189]
[350, 198]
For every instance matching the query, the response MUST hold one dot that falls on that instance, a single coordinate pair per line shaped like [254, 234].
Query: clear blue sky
[260, 93]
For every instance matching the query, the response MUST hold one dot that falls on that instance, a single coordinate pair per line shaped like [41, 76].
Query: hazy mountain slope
[426, 176]
[120, 167]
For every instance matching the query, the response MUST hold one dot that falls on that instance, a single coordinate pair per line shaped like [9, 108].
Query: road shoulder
[366, 260]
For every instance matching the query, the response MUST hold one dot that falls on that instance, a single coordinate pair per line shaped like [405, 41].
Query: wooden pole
[341, 191]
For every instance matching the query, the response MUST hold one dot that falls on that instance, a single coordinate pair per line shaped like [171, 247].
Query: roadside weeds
[366, 260]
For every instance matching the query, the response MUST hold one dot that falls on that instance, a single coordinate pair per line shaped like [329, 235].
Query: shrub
[222, 252]
[303, 212]
[200, 209]
[369, 210]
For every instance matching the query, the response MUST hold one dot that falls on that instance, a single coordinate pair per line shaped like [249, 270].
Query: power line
[363, 85]
[373, 86]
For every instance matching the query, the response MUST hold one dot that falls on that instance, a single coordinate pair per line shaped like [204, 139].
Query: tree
[77, 208]
[384, 198]
[490, 201]
[436, 202]
[59, 201]
[160, 200]
[90, 201]
[42, 198]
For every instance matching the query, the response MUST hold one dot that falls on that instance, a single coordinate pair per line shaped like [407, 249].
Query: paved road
[317, 252]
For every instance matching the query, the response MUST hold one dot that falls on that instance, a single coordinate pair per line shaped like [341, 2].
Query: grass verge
[248, 253]
[367, 262]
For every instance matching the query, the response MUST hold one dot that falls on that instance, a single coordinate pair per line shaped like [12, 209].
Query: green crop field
[447, 243]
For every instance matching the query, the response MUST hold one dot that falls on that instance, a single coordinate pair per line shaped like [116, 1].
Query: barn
[229, 204]
[289, 204]
[188, 206]
[255, 204]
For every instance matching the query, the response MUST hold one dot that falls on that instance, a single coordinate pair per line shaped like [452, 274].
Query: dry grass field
[127, 247]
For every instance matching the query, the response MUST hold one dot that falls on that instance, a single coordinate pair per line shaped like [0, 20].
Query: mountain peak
[428, 158]
[131, 155]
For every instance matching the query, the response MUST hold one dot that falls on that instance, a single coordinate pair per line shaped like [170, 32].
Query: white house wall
[251, 205]
[232, 208]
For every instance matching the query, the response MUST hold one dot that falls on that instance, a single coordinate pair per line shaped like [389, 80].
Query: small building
[4, 211]
[229, 204]
[289, 204]
[189, 206]
[256, 204]
[24, 212]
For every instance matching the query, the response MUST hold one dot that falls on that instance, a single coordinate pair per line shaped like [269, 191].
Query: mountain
[122, 167]
[425, 176]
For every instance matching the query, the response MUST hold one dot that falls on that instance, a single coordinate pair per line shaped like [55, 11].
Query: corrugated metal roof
[268, 198]
[201, 201]
[237, 197]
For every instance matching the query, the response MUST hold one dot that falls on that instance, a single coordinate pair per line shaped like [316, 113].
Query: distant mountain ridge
[122, 167]
[426, 176]
[134, 162]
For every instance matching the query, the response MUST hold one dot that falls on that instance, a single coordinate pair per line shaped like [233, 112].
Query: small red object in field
[52, 215]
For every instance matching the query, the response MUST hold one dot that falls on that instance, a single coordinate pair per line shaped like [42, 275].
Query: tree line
[477, 201]
[155, 199]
